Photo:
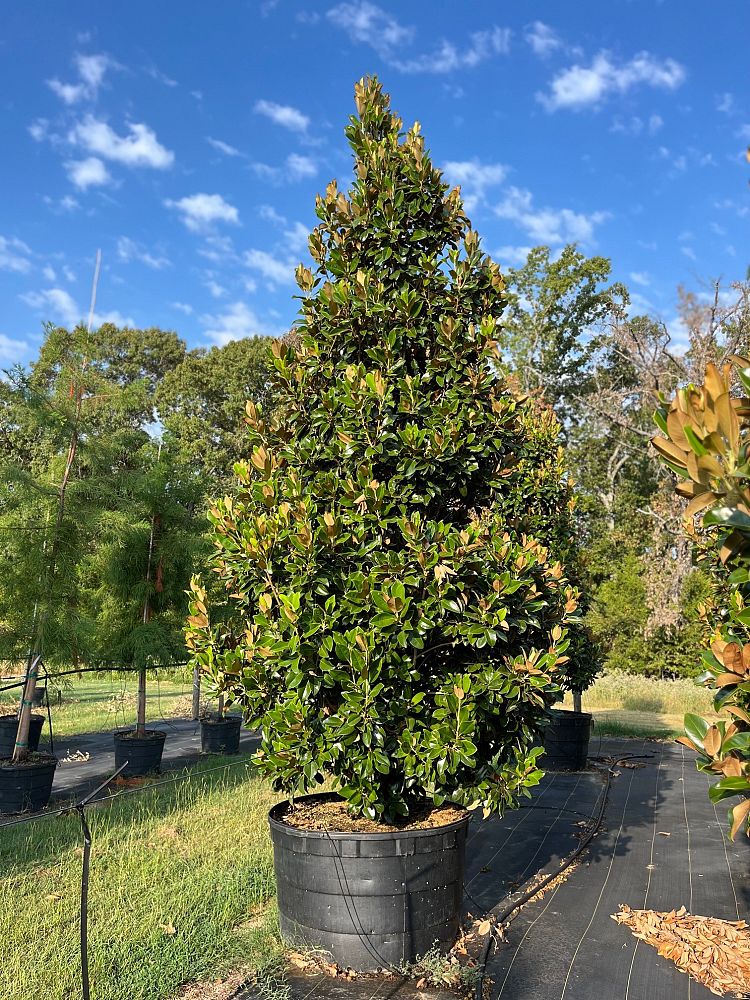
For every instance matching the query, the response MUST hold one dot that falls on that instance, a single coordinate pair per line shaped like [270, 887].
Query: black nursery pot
[37, 698]
[371, 900]
[8, 729]
[566, 740]
[221, 735]
[143, 753]
[27, 786]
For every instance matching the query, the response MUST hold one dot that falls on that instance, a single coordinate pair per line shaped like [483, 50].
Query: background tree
[556, 308]
[201, 403]
[140, 568]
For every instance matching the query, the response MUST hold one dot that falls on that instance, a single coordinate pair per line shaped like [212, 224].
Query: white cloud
[284, 115]
[635, 126]
[640, 278]
[57, 305]
[448, 57]
[217, 291]
[368, 24]
[128, 250]
[295, 235]
[276, 272]
[87, 173]
[91, 71]
[511, 256]
[39, 129]
[688, 252]
[542, 39]
[223, 147]
[65, 204]
[581, 86]
[295, 168]
[475, 178]
[236, 322]
[14, 255]
[11, 350]
[725, 103]
[201, 211]
[218, 248]
[183, 307]
[115, 317]
[655, 123]
[49, 273]
[548, 225]
[139, 148]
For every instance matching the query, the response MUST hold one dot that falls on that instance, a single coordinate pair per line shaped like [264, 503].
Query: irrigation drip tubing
[502, 919]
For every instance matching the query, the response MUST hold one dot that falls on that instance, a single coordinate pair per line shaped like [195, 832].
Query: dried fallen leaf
[484, 927]
[169, 929]
[711, 951]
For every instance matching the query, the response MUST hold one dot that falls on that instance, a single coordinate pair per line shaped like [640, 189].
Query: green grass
[181, 879]
[98, 703]
[632, 705]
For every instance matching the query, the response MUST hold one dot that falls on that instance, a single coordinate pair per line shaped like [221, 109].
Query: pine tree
[57, 472]
[392, 628]
[140, 569]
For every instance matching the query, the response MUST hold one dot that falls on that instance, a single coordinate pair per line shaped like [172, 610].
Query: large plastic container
[9, 727]
[221, 735]
[143, 753]
[372, 900]
[26, 786]
[566, 740]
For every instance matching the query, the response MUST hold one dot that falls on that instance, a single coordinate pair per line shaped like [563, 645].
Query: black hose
[503, 917]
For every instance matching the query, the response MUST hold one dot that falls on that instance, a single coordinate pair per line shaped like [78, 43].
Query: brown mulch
[713, 952]
[214, 989]
[333, 816]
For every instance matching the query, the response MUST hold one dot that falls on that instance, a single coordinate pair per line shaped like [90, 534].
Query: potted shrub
[542, 504]
[220, 733]
[385, 617]
[567, 733]
[706, 443]
[26, 775]
[142, 566]
[9, 729]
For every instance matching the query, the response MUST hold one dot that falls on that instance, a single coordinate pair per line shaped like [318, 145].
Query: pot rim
[150, 734]
[288, 830]
[219, 722]
[567, 713]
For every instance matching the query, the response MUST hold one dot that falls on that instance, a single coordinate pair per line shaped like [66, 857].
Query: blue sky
[188, 141]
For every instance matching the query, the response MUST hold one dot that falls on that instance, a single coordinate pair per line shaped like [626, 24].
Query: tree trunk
[220, 707]
[21, 749]
[140, 726]
[196, 693]
[577, 704]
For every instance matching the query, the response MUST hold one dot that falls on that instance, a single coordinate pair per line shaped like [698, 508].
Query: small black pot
[28, 786]
[371, 900]
[221, 735]
[8, 728]
[38, 697]
[143, 753]
[566, 740]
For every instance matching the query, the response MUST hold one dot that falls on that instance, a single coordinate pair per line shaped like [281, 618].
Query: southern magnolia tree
[392, 627]
[706, 444]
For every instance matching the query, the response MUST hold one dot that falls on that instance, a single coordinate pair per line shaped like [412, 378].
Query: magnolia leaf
[739, 815]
